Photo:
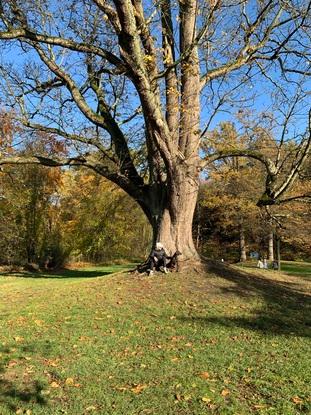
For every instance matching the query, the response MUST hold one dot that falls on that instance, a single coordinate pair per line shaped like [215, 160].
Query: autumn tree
[291, 221]
[227, 214]
[29, 230]
[229, 194]
[99, 221]
[133, 87]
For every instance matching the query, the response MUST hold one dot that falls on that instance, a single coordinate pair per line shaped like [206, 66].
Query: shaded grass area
[91, 272]
[224, 341]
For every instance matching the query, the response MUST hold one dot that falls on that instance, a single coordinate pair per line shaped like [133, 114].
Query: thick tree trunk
[172, 222]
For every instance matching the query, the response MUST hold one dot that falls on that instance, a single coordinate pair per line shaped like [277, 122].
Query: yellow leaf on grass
[121, 388]
[204, 375]
[51, 362]
[18, 339]
[69, 381]
[138, 388]
[54, 385]
[84, 338]
[206, 399]
[90, 408]
[297, 400]
[39, 323]
[225, 392]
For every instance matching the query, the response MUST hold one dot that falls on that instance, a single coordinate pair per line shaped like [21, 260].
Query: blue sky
[260, 87]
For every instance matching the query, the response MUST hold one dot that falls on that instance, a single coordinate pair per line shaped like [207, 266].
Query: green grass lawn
[297, 268]
[294, 268]
[224, 341]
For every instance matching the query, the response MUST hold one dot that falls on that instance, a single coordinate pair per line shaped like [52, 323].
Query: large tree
[132, 86]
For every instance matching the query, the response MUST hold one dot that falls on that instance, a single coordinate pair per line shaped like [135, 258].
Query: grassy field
[224, 341]
[302, 269]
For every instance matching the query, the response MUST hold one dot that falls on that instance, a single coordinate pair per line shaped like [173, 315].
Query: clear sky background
[256, 96]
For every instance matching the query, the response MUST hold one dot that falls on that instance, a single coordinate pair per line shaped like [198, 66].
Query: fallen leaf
[29, 370]
[12, 363]
[84, 338]
[51, 362]
[297, 400]
[138, 388]
[90, 408]
[54, 385]
[206, 399]
[18, 339]
[204, 375]
[69, 381]
[121, 388]
[225, 392]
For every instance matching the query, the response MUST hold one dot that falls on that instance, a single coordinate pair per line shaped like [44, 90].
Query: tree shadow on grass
[16, 389]
[285, 308]
[61, 274]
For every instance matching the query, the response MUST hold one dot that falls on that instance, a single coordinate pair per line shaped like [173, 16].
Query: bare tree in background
[132, 87]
